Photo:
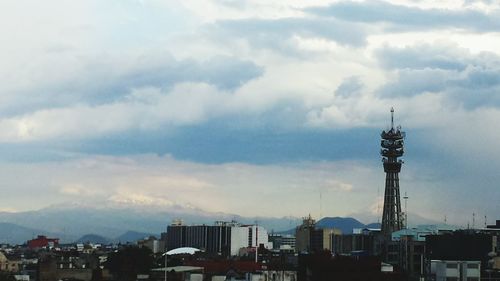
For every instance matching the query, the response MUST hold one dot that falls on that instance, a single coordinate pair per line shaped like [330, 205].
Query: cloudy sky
[250, 107]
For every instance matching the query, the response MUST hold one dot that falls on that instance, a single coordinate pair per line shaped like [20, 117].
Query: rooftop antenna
[485, 221]
[406, 210]
[256, 241]
[444, 219]
[392, 117]
[320, 205]
[378, 204]
[473, 220]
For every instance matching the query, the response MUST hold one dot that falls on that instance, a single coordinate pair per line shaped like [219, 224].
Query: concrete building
[361, 242]
[152, 243]
[224, 238]
[442, 270]
[461, 246]
[282, 242]
[310, 239]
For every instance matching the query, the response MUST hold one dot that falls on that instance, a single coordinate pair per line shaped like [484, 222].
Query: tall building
[392, 149]
[310, 239]
[224, 238]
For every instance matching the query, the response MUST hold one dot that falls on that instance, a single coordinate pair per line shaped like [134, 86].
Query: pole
[406, 210]
[392, 117]
[256, 241]
[166, 266]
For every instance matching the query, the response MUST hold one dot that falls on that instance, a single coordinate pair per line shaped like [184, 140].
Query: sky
[257, 108]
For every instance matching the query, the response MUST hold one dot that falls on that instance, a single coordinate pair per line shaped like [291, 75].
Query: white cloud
[92, 69]
[153, 181]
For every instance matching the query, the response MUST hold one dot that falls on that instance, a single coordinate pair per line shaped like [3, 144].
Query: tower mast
[392, 149]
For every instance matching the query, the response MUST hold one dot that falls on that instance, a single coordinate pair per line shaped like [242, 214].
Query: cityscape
[255, 140]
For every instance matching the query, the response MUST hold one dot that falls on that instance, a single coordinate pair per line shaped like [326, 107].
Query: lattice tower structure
[392, 148]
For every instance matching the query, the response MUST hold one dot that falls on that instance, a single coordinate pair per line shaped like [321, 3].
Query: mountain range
[116, 223]
[346, 225]
[128, 223]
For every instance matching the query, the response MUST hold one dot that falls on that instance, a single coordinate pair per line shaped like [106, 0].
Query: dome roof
[183, 250]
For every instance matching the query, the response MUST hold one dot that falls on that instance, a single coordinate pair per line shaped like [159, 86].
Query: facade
[494, 226]
[392, 149]
[310, 239]
[442, 270]
[407, 254]
[66, 267]
[460, 246]
[9, 265]
[282, 242]
[303, 234]
[153, 244]
[224, 238]
[360, 243]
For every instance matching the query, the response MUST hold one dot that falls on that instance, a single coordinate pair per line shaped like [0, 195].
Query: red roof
[42, 241]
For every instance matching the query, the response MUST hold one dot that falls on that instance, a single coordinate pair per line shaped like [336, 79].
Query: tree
[5, 276]
[129, 261]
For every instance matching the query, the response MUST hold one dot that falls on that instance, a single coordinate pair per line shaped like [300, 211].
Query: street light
[165, 254]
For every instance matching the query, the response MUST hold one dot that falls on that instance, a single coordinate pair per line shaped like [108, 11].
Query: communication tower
[392, 149]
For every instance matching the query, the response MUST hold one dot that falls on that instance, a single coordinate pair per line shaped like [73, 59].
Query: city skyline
[258, 108]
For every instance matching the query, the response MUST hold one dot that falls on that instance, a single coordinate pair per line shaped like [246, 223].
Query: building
[282, 242]
[442, 270]
[392, 149]
[325, 267]
[361, 242]
[460, 246]
[42, 242]
[10, 265]
[67, 266]
[309, 239]
[223, 238]
[152, 243]
[408, 255]
[494, 226]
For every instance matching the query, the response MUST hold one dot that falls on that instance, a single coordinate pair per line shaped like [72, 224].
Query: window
[451, 265]
[472, 265]
[451, 279]
[472, 279]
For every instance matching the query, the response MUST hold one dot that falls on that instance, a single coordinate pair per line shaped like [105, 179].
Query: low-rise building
[42, 241]
[445, 270]
[10, 265]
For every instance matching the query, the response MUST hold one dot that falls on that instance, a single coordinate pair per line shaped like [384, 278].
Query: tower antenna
[392, 117]
[320, 205]
[473, 220]
[406, 210]
[392, 148]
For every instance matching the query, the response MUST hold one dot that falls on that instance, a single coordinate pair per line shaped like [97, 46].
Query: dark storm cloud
[464, 78]
[424, 56]
[226, 73]
[101, 82]
[409, 17]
